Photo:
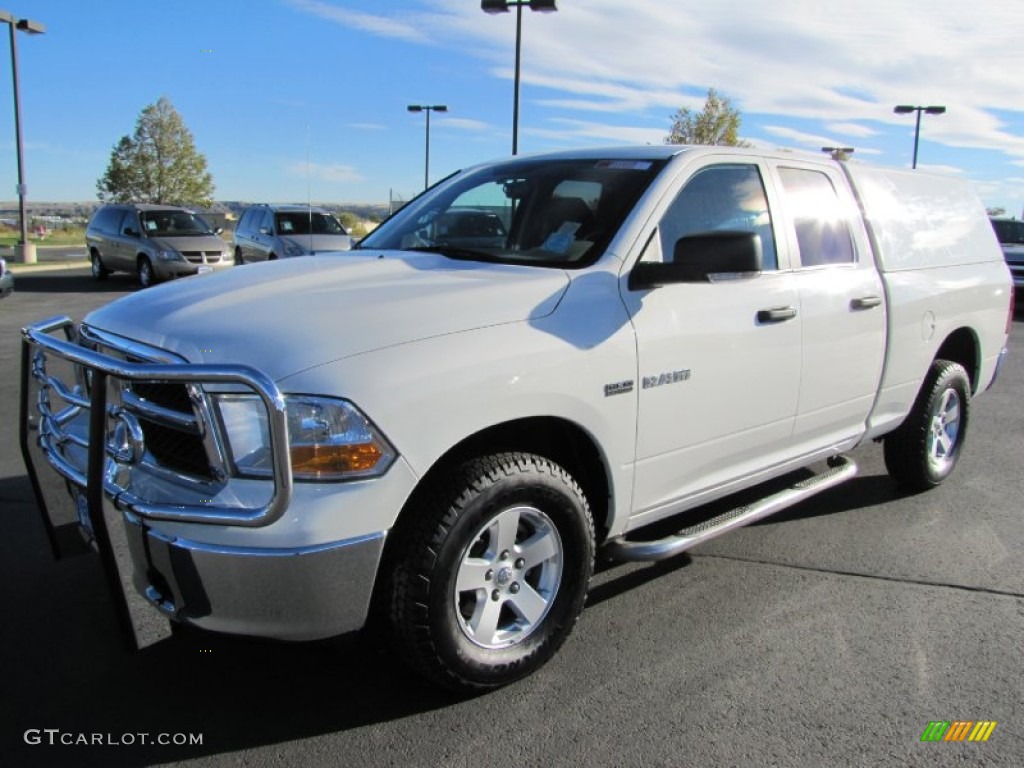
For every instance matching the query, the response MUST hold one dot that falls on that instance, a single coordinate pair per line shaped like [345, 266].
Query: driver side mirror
[701, 258]
[130, 232]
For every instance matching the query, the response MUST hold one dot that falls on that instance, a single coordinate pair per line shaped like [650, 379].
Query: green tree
[718, 124]
[158, 163]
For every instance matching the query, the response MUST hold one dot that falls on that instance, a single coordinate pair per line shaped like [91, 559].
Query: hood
[290, 315]
[190, 243]
[317, 243]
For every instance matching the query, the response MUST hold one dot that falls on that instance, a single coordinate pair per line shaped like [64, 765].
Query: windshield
[548, 212]
[173, 224]
[298, 223]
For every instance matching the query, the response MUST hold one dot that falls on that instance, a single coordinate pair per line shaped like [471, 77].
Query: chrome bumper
[81, 456]
[304, 593]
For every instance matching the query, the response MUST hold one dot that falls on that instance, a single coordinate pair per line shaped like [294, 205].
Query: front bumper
[224, 559]
[6, 284]
[301, 593]
[167, 270]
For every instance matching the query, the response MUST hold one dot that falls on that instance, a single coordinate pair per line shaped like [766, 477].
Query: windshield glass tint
[549, 212]
[173, 224]
[298, 223]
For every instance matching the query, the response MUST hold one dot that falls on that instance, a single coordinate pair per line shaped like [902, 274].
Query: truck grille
[102, 411]
[178, 447]
[170, 417]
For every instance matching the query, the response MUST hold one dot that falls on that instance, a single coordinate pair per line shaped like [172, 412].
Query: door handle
[776, 315]
[865, 302]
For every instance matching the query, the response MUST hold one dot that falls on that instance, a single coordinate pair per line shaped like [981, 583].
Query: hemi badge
[618, 388]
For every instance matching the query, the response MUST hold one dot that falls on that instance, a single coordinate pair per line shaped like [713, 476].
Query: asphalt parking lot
[831, 634]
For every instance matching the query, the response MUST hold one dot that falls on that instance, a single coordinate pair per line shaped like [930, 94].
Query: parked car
[268, 232]
[6, 279]
[1010, 233]
[469, 228]
[156, 242]
[447, 437]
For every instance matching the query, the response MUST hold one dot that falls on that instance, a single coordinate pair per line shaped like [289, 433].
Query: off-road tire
[448, 543]
[925, 449]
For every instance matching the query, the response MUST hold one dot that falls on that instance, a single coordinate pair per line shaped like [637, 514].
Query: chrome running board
[841, 469]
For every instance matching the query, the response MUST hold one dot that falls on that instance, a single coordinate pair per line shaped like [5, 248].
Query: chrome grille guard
[43, 427]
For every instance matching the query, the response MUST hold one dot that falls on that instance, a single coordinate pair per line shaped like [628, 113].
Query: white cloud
[852, 129]
[840, 66]
[403, 28]
[580, 129]
[463, 123]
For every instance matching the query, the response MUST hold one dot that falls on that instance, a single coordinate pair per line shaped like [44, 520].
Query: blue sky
[294, 97]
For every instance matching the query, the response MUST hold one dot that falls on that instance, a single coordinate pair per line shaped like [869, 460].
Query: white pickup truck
[518, 372]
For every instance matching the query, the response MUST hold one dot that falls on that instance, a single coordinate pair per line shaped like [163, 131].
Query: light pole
[905, 109]
[428, 108]
[28, 254]
[501, 6]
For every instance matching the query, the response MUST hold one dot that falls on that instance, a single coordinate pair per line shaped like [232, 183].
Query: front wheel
[491, 575]
[239, 259]
[146, 275]
[925, 449]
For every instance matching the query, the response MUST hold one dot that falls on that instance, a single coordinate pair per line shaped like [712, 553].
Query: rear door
[841, 301]
[719, 362]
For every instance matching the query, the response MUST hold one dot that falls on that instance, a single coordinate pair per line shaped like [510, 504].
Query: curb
[16, 268]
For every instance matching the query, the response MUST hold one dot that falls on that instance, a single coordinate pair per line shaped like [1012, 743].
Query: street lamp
[28, 254]
[905, 109]
[501, 6]
[428, 108]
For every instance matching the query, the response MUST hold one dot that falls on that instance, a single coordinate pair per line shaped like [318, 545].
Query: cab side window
[822, 229]
[723, 197]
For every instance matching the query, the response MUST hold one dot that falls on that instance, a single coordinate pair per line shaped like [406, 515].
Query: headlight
[168, 254]
[328, 439]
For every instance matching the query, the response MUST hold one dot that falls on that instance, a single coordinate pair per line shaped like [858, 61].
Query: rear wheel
[146, 274]
[99, 272]
[925, 449]
[491, 576]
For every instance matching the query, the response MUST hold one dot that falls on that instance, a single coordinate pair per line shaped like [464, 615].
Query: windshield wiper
[454, 252]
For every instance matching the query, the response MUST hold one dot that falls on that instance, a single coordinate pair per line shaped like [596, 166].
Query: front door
[719, 362]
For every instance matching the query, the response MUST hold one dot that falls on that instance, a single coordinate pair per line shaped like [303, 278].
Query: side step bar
[841, 469]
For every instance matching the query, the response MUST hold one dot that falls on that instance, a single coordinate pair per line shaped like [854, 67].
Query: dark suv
[267, 232]
[156, 242]
[1010, 233]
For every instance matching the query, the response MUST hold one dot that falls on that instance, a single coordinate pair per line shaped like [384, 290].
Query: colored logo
[958, 730]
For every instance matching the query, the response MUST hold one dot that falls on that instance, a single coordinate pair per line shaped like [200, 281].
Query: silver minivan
[156, 242]
[267, 232]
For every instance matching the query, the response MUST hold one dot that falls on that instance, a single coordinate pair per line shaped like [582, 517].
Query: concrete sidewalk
[48, 258]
